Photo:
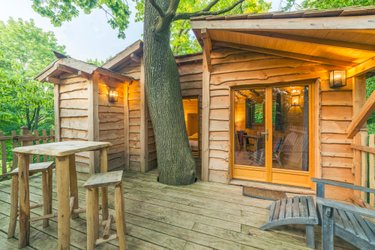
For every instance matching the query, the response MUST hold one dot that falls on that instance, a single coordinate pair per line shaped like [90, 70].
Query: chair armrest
[345, 207]
[343, 185]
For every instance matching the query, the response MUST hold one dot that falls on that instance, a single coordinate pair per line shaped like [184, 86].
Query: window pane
[290, 140]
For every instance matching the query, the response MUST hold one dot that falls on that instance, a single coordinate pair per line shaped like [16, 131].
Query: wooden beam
[207, 47]
[362, 117]
[126, 126]
[93, 120]
[319, 23]
[317, 41]
[144, 122]
[361, 68]
[56, 93]
[297, 56]
[113, 75]
[205, 118]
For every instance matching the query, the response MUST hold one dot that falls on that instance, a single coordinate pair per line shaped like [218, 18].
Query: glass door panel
[249, 127]
[290, 128]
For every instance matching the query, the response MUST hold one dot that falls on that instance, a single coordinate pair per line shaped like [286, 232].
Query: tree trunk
[175, 160]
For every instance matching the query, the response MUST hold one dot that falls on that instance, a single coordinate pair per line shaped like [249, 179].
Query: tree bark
[175, 160]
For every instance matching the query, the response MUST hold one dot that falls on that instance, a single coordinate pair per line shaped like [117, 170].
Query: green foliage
[60, 11]
[24, 51]
[96, 62]
[370, 87]
[325, 4]
[182, 39]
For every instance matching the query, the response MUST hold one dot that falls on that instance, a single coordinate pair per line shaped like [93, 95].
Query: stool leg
[73, 184]
[13, 206]
[92, 217]
[50, 189]
[120, 219]
[46, 200]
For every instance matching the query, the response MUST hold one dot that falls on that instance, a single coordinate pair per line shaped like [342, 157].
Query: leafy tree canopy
[326, 4]
[24, 51]
[182, 40]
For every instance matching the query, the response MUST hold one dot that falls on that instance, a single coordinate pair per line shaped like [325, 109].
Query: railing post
[14, 142]
[372, 169]
[364, 164]
[3, 155]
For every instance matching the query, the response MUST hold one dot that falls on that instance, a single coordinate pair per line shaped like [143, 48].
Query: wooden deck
[200, 216]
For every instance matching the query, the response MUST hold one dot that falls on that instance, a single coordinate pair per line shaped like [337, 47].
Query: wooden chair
[95, 182]
[46, 169]
[295, 210]
[349, 222]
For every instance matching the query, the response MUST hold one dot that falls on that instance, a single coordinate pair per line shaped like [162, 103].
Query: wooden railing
[24, 138]
[364, 158]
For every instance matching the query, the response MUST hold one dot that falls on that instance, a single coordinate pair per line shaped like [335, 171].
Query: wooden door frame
[271, 174]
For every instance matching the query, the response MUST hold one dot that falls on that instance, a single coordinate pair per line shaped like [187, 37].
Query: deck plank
[201, 216]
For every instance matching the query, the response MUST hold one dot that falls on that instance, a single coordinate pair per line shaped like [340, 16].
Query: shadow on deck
[200, 216]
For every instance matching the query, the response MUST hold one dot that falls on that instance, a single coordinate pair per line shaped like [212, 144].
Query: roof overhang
[69, 65]
[133, 53]
[341, 37]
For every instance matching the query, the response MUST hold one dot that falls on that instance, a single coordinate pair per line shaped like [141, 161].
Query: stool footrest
[47, 216]
[102, 240]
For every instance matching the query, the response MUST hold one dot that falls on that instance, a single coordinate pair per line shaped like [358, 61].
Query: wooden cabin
[84, 111]
[275, 113]
[275, 99]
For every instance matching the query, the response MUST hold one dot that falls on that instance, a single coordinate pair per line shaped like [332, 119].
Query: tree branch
[210, 5]
[157, 8]
[181, 16]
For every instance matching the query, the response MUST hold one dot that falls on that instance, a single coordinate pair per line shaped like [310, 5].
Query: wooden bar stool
[46, 169]
[92, 209]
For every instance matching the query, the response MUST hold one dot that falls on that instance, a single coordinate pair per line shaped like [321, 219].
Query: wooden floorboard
[199, 216]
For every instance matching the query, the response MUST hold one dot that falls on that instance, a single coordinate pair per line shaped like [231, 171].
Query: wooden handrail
[363, 115]
[363, 148]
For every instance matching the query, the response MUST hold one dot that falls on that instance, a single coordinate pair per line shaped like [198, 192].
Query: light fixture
[337, 78]
[112, 95]
[295, 100]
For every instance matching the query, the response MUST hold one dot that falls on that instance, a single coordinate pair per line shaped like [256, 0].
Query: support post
[328, 230]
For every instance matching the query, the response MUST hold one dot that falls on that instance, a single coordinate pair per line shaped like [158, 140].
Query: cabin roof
[341, 37]
[73, 66]
[129, 52]
[311, 13]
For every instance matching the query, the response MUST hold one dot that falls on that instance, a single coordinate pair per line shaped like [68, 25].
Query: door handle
[265, 133]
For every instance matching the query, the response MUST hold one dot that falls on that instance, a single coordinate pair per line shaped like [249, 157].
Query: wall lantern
[337, 78]
[112, 95]
[295, 100]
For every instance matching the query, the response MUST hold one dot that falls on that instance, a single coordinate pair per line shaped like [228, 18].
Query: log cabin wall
[112, 123]
[333, 110]
[73, 113]
[191, 87]
[133, 69]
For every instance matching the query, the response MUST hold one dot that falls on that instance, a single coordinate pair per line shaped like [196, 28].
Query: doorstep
[272, 186]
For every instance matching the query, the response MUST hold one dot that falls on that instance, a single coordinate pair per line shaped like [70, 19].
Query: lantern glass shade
[112, 95]
[295, 100]
[337, 79]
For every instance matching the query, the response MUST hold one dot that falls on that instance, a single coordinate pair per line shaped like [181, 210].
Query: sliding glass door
[271, 134]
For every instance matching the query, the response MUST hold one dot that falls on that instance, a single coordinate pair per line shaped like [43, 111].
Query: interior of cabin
[290, 125]
[192, 123]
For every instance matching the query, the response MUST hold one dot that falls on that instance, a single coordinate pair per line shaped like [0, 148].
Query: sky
[87, 36]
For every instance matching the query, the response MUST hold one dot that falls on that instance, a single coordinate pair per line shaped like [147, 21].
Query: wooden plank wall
[134, 98]
[336, 111]
[232, 68]
[191, 86]
[73, 108]
[111, 124]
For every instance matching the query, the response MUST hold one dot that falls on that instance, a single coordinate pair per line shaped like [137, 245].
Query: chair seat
[293, 210]
[104, 179]
[35, 167]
